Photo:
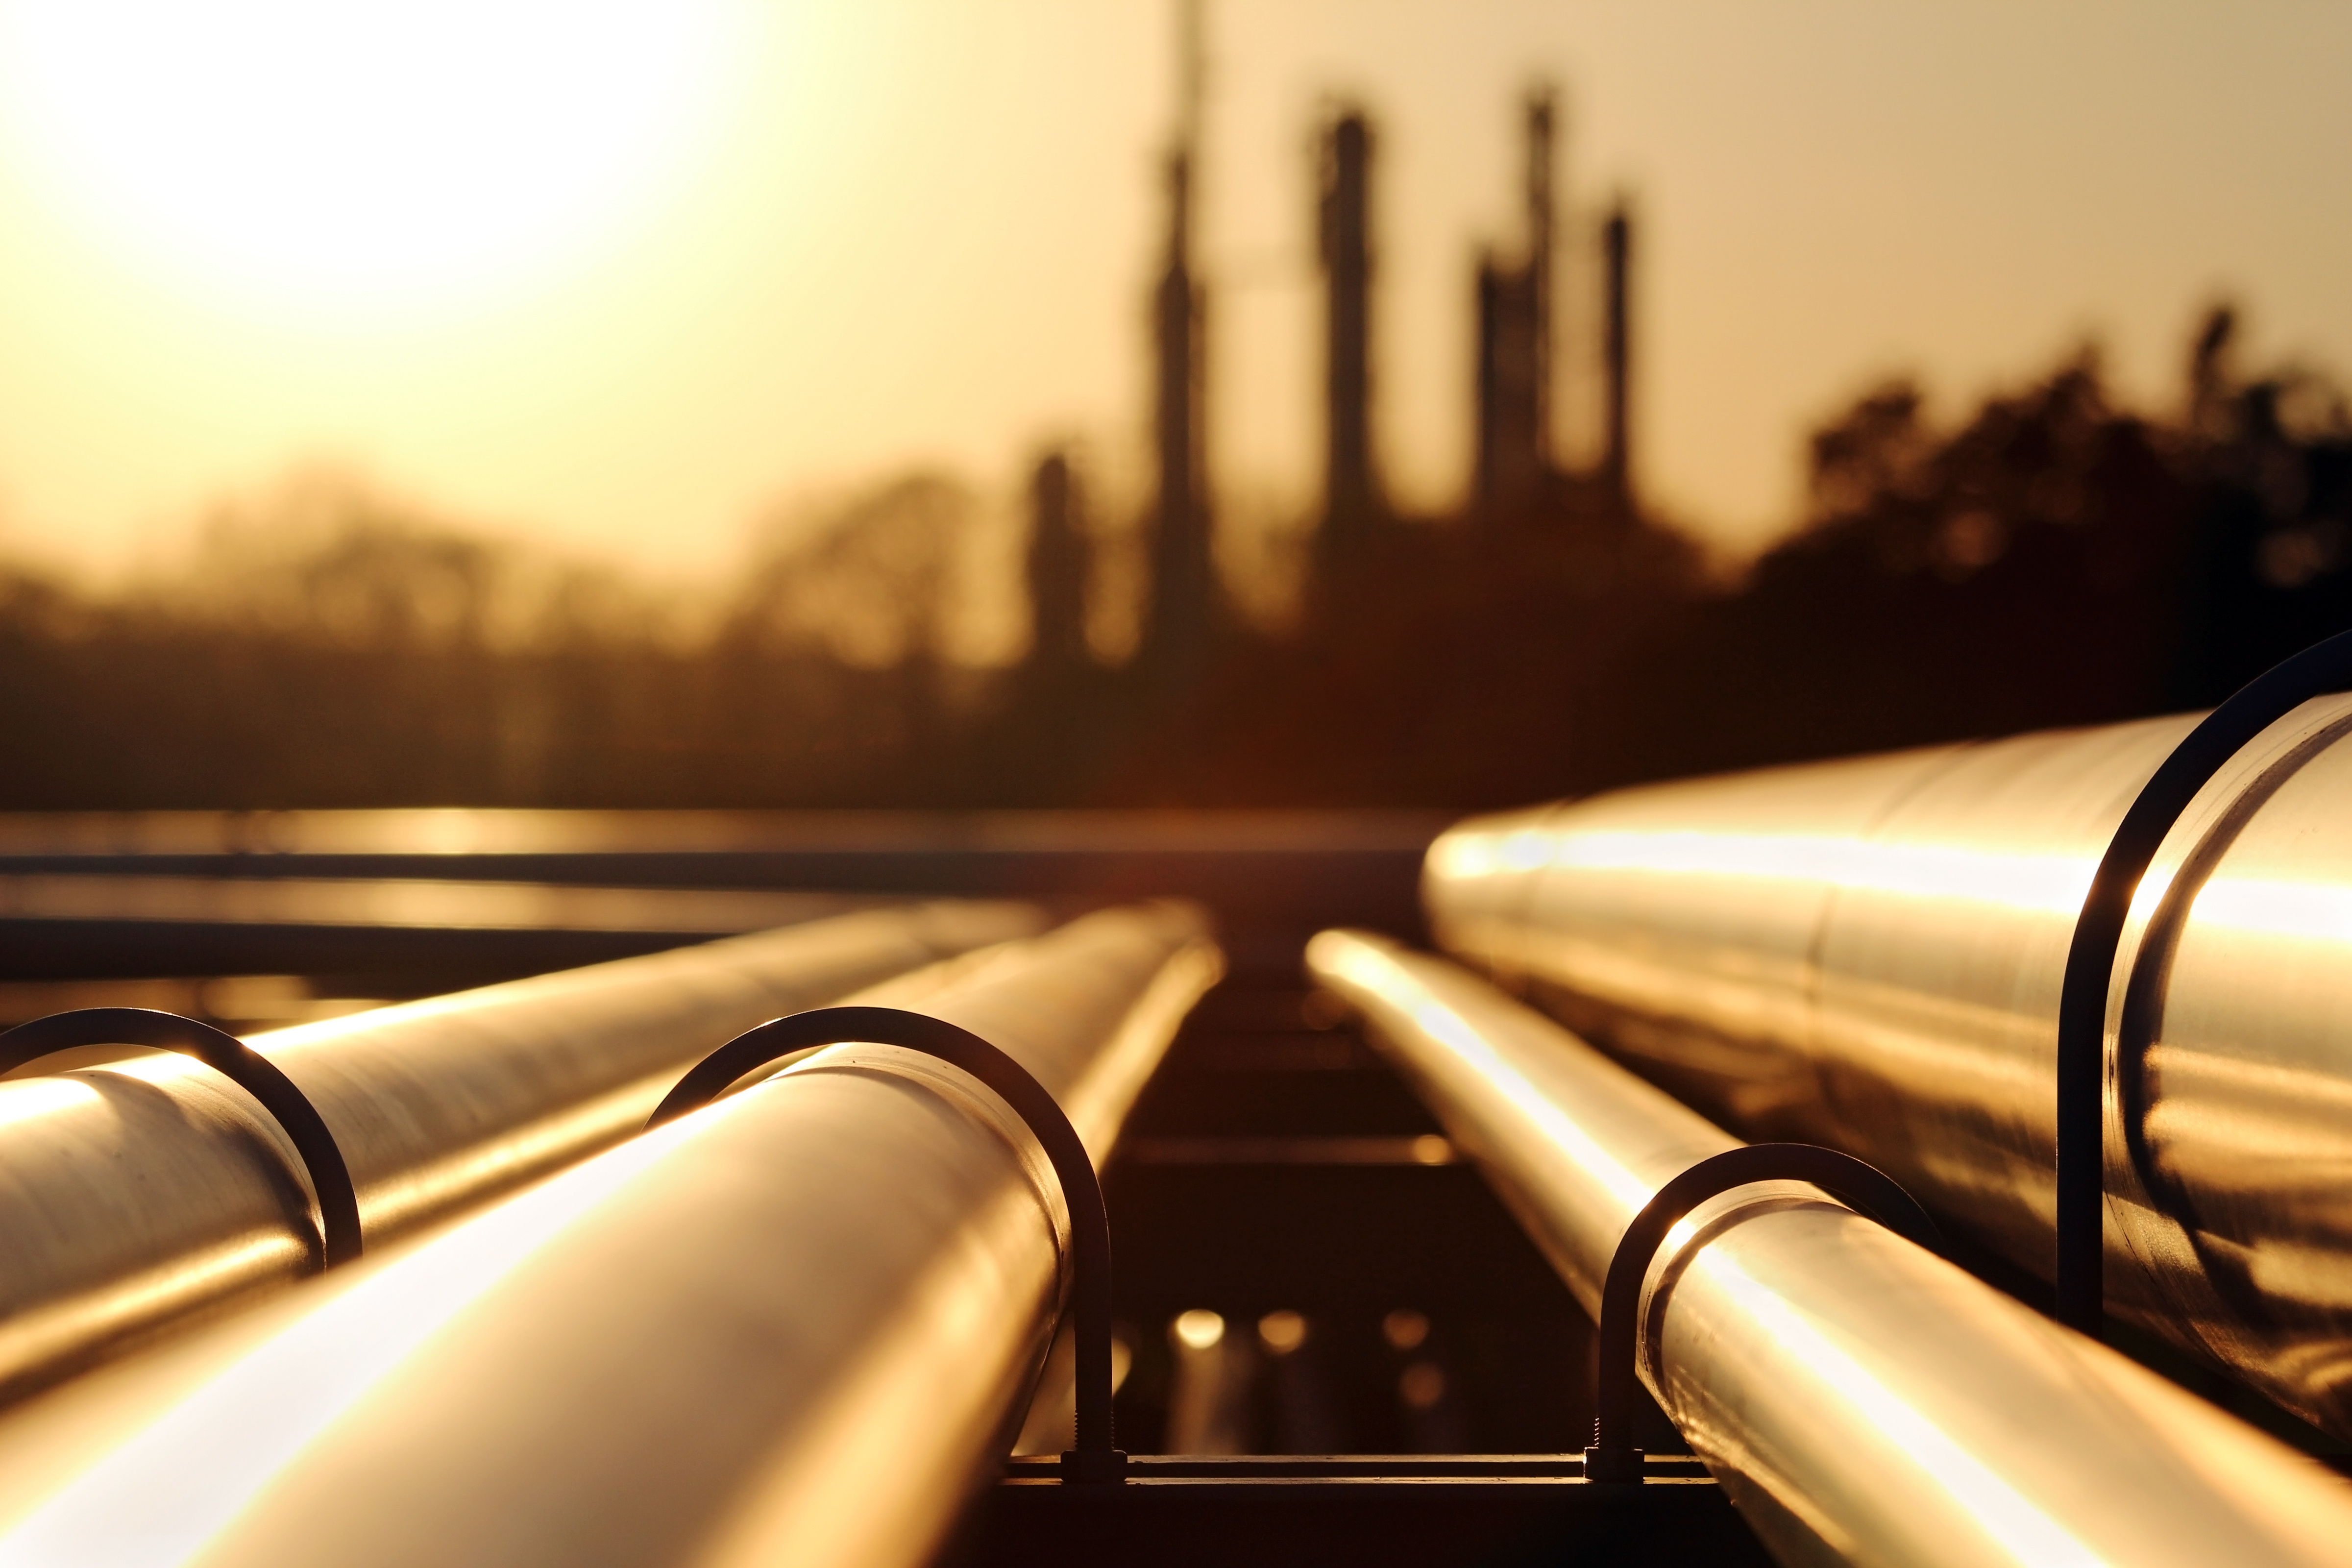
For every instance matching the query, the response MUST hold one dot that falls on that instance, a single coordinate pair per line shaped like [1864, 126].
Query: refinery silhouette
[2053, 558]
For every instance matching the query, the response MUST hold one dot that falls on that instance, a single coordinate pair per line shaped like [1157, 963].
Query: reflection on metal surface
[1094, 1456]
[435, 1105]
[489, 831]
[1427, 1149]
[2325, 668]
[1281, 1330]
[1860, 1399]
[1859, 1185]
[407, 902]
[793, 1327]
[290, 1111]
[246, 999]
[1304, 1409]
[1210, 1407]
[1868, 954]
[1405, 1329]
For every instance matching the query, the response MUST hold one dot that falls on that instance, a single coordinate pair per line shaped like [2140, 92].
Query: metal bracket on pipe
[1096, 1457]
[331, 1178]
[2317, 670]
[1612, 1457]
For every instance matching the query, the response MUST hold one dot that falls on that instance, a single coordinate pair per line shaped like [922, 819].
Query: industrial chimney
[1057, 569]
[1352, 499]
[1513, 368]
[1181, 617]
[1617, 457]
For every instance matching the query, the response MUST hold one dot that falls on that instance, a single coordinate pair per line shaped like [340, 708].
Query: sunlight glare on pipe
[2024, 1533]
[1369, 968]
[160, 1497]
[2304, 912]
[26, 1099]
[2051, 882]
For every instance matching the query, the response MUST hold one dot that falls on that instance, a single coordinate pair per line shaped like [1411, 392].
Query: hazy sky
[629, 273]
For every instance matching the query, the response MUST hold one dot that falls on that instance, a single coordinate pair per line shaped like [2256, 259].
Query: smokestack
[1350, 493]
[1514, 444]
[1493, 283]
[1182, 612]
[1617, 462]
[1057, 569]
[1508, 469]
[1539, 196]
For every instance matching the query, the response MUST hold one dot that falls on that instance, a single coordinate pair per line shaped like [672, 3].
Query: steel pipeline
[797, 1326]
[1860, 1399]
[138, 1193]
[1868, 954]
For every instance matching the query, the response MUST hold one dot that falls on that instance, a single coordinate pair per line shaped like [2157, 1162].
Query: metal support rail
[1250, 1510]
[1096, 1457]
[1861, 1399]
[2317, 670]
[791, 1328]
[1912, 957]
[402, 1115]
[1612, 1457]
[331, 1178]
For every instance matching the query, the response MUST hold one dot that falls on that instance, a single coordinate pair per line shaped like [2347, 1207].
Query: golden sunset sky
[626, 273]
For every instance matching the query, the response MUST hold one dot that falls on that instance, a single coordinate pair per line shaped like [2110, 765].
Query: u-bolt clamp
[331, 1178]
[1096, 1457]
[2321, 669]
[1612, 1457]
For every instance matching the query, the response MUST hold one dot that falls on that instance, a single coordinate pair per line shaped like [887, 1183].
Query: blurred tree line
[2053, 558]
[328, 646]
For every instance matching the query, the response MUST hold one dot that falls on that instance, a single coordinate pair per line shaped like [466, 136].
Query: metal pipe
[793, 1327]
[1870, 953]
[137, 1193]
[407, 903]
[1860, 1399]
[2323, 668]
[1861, 1187]
[1095, 1456]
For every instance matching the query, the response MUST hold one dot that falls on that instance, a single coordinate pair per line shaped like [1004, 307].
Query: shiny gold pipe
[797, 1327]
[136, 1193]
[1868, 954]
[1861, 1400]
